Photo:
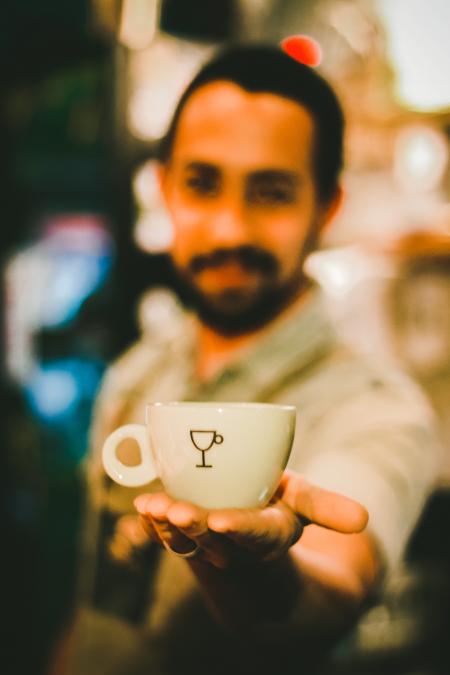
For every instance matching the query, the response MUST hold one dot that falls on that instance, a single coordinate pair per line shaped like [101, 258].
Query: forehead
[224, 124]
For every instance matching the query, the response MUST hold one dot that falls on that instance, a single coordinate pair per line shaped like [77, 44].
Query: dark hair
[264, 68]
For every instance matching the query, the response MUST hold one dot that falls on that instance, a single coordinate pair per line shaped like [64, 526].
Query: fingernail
[217, 524]
[163, 530]
[139, 504]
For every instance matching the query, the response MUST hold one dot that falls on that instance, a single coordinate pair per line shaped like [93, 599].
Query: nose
[229, 226]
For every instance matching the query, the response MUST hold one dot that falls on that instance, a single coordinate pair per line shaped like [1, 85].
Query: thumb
[323, 507]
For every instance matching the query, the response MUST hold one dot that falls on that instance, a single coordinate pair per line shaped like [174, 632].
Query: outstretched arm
[303, 560]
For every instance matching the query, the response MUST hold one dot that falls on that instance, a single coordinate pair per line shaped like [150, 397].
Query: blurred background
[88, 88]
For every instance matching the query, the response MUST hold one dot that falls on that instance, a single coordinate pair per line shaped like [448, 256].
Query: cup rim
[220, 404]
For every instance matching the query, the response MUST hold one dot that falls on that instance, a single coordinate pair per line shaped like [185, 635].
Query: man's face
[239, 186]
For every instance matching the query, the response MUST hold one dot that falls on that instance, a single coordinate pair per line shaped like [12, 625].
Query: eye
[202, 184]
[268, 193]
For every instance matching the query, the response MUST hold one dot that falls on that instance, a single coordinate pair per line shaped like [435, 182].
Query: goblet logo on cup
[203, 440]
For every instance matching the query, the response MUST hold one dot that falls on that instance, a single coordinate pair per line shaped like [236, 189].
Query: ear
[332, 208]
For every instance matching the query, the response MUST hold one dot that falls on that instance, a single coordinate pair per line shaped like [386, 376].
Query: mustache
[251, 258]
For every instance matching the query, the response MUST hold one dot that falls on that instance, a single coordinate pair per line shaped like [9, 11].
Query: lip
[227, 274]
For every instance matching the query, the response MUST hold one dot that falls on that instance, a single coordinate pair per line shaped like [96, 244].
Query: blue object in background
[60, 394]
[76, 276]
[78, 251]
[57, 349]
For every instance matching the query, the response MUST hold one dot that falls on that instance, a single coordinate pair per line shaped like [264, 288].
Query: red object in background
[303, 49]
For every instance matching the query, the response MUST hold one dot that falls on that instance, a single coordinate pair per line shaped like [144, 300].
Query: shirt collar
[290, 345]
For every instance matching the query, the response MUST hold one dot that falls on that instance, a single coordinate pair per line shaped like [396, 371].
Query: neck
[216, 350]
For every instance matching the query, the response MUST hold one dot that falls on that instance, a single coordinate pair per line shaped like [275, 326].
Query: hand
[130, 536]
[229, 536]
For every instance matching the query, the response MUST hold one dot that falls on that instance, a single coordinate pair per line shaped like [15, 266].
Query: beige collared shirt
[361, 430]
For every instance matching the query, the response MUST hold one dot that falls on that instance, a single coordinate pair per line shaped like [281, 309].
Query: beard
[240, 310]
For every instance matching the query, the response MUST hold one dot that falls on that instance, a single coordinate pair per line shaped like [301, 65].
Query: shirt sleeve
[378, 446]
[114, 587]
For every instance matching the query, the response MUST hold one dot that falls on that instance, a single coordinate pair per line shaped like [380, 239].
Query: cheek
[187, 226]
[184, 216]
[284, 235]
[286, 229]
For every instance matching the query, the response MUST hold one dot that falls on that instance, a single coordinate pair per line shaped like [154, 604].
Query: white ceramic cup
[216, 455]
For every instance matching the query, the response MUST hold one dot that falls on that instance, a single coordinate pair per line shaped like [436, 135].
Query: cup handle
[131, 476]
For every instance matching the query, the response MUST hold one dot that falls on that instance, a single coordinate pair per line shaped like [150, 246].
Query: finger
[322, 507]
[192, 521]
[154, 505]
[133, 529]
[269, 532]
[120, 548]
[149, 529]
[130, 536]
[154, 508]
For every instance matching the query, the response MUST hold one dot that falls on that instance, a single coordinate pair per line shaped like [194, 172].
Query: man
[250, 175]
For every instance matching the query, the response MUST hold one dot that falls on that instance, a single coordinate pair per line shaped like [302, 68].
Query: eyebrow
[274, 175]
[201, 166]
[263, 175]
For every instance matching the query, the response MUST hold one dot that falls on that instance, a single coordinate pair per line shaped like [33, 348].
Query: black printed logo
[203, 440]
